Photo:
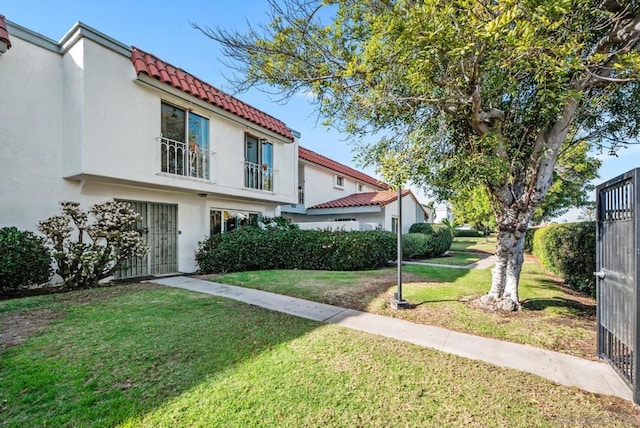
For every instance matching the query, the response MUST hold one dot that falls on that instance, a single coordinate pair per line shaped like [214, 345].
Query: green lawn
[550, 318]
[487, 245]
[457, 258]
[142, 355]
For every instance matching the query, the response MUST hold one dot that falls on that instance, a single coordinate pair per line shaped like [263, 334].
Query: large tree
[467, 91]
[571, 188]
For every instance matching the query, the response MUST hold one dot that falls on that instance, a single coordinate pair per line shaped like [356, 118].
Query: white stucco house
[90, 119]
[443, 211]
[335, 196]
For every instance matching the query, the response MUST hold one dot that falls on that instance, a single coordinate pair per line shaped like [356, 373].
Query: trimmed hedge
[433, 242]
[24, 260]
[414, 245]
[251, 248]
[441, 241]
[426, 228]
[468, 233]
[568, 250]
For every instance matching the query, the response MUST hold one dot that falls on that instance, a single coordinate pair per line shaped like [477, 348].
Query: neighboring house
[90, 119]
[336, 196]
[431, 212]
[443, 211]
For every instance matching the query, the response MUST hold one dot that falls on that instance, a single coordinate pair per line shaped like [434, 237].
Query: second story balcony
[258, 176]
[185, 159]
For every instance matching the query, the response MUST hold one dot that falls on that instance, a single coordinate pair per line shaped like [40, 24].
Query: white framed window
[339, 183]
[223, 221]
[394, 224]
[184, 142]
[360, 187]
[258, 163]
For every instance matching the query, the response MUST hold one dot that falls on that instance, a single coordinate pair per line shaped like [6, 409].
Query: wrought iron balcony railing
[186, 159]
[258, 176]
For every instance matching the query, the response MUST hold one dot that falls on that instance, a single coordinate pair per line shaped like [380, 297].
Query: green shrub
[528, 239]
[441, 240]
[24, 260]
[468, 233]
[414, 245]
[434, 242]
[251, 248]
[569, 250]
[425, 228]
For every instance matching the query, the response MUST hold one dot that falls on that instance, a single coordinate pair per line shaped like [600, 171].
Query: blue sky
[163, 28]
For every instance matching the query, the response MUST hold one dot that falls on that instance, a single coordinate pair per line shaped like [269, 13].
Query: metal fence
[617, 271]
[158, 225]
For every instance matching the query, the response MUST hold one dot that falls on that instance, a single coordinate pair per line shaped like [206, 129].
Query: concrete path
[561, 368]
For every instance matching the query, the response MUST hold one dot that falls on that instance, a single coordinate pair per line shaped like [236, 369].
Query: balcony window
[258, 163]
[184, 142]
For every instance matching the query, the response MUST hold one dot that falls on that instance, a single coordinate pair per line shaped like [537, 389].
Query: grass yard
[551, 317]
[149, 356]
[487, 245]
[455, 258]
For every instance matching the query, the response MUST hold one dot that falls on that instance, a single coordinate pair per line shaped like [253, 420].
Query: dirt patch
[15, 327]
[83, 297]
[360, 294]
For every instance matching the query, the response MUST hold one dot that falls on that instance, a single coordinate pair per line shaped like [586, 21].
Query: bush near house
[252, 248]
[426, 228]
[24, 260]
[568, 250]
[426, 240]
[90, 246]
[414, 245]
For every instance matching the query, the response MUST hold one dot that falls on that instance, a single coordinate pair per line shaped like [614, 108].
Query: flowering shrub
[87, 251]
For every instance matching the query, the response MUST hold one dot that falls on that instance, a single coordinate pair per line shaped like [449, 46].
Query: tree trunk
[505, 278]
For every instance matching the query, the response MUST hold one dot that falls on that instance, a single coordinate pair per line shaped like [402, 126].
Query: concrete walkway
[561, 368]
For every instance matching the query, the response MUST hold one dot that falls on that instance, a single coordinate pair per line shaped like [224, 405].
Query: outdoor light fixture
[399, 302]
[202, 195]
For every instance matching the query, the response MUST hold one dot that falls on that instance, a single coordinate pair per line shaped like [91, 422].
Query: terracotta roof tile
[324, 161]
[166, 73]
[363, 199]
[4, 33]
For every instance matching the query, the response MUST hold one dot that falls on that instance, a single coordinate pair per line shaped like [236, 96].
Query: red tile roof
[180, 79]
[363, 199]
[318, 159]
[4, 34]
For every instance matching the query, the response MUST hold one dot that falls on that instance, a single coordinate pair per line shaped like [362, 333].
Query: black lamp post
[399, 302]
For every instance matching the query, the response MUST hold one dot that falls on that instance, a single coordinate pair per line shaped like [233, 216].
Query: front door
[158, 225]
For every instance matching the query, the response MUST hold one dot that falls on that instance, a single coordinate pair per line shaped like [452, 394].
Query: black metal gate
[158, 225]
[617, 272]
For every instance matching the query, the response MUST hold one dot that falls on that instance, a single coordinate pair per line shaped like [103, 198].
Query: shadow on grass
[424, 302]
[580, 309]
[120, 356]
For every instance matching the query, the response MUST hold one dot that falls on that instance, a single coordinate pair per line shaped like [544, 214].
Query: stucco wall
[408, 213]
[31, 135]
[319, 185]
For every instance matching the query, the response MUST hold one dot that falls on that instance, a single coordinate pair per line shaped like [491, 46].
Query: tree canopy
[465, 93]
